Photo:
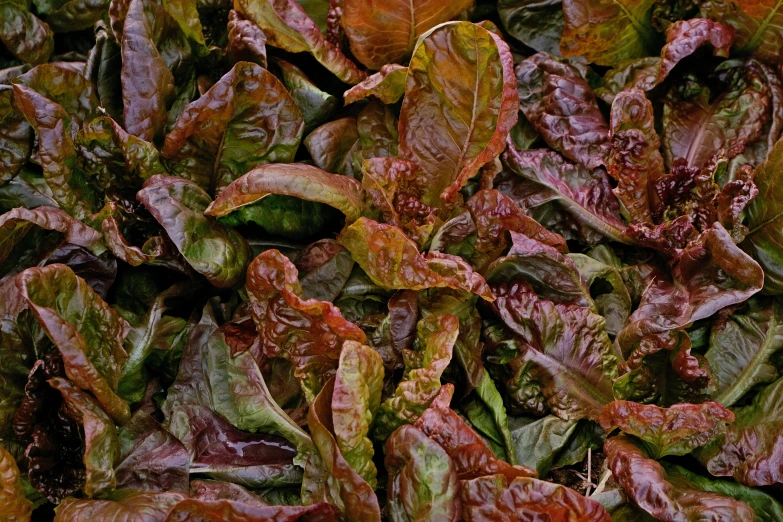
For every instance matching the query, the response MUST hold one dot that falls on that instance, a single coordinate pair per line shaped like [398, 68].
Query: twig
[589, 471]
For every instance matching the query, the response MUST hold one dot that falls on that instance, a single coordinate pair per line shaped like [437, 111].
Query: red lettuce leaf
[313, 340]
[246, 119]
[121, 505]
[423, 483]
[676, 430]
[15, 505]
[560, 105]
[645, 481]
[388, 85]
[380, 34]
[449, 130]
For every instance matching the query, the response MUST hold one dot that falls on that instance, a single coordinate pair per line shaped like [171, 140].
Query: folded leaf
[246, 41]
[287, 26]
[523, 499]
[423, 482]
[741, 346]
[388, 85]
[332, 145]
[458, 107]
[424, 365]
[645, 481]
[765, 221]
[609, 31]
[356, 398]
[16, 224]
[56, 150]
[215, 251]
[219, 450]
[27, 37]
[550, 274]
[121, 505]
[560, 105]
[333, 480]
[541, 178]
[101, 445]
[683, 38]
[247, 118]
[297, 180]
[494, 213]
[471, 456]
[386, 33]
[667, 431]
[151, 457]
[710, 274]
[312, 342]
[315, 105]
[634, 161]
[147, 82]
[751, 450]
[697, 124]
[212, 490]
[608, 290]
[87, 332]
[538, 441]
[15, 505]
[392, 261]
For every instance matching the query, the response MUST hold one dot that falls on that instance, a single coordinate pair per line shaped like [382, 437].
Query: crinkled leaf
[388, 85]
[76, 15]
[101, 445]
[65, 86]
[571, 355]
[667, 431]
[15, 506]
[386, 33]
[15, 136]
[214, 250]
[125, 506]
[710, 274]
[697, 124]
[560, 105]
[537, 24]
[645, 481]
[741, 346]
[356, 397]
[56, 150]
[540, 178]
[635, 160]
[246, 41]
[392, 261]
[424, 365]
[334, 480]
[88, 333]
[423, 482]
[458, 106]
[287, 26]
[22, 33]
[751, 450]
[495, 497]
[607, 32]
[247, 118]
[298, 180]
[313, 340]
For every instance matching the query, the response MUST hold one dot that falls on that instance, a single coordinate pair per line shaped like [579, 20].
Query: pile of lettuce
[403, 260]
